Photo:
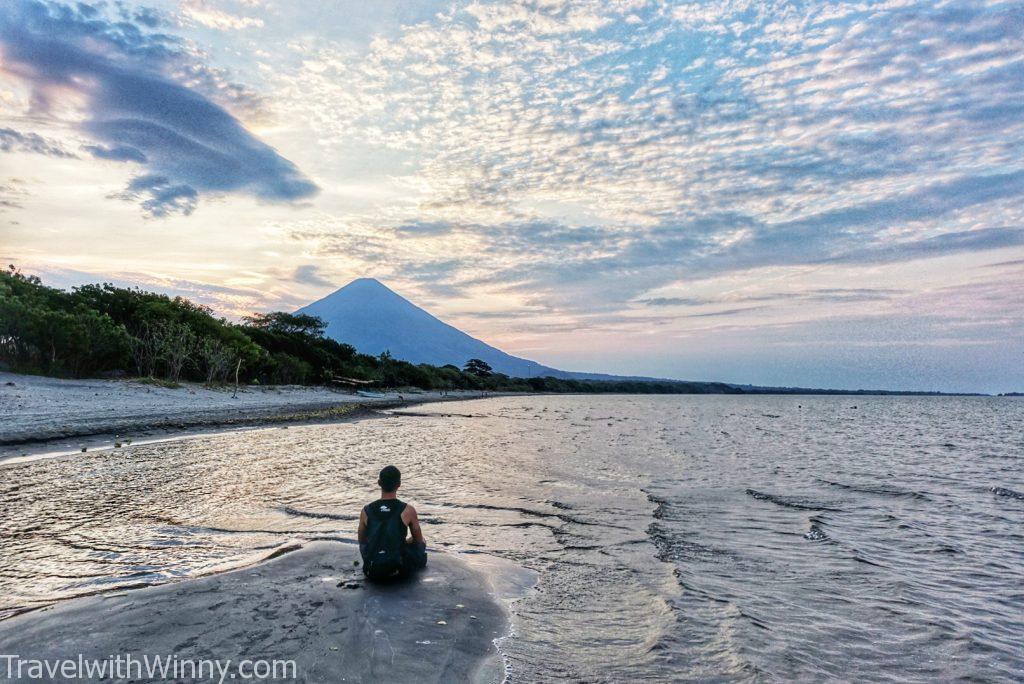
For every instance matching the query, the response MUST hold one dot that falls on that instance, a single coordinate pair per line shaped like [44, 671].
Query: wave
[1003, 491]
[670, 546]
[574, 520]
[791, 501]
[881, 490]
[816, 533]
[660, 505]
[316, 515]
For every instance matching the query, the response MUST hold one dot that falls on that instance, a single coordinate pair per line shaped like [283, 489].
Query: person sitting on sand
[383, 528]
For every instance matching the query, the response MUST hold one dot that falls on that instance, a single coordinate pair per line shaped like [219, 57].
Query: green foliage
[287, 323]
[286, 369]
[48, 331]
[479, 368]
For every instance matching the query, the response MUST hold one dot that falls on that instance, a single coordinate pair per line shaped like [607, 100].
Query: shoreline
[307, 603]
[40, 415]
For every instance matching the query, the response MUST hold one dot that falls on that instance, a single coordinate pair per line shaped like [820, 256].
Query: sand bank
[310, 606]
[36, 409]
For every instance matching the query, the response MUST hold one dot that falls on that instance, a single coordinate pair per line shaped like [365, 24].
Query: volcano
[375, 319]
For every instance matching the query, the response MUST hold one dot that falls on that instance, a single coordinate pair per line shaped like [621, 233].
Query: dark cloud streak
[121, 153]
[309, 274]
[16, 141]
[134, 102]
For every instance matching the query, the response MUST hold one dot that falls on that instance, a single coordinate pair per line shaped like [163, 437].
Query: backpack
[385, 535]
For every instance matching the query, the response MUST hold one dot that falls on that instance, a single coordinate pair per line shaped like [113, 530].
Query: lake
[722, 538]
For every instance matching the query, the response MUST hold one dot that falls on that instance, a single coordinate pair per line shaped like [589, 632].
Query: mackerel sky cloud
[796, 193]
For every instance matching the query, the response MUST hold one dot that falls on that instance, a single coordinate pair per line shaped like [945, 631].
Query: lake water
[722, 538]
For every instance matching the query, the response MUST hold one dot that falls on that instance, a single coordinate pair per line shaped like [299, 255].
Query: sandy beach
[38, 409]
[308, 609]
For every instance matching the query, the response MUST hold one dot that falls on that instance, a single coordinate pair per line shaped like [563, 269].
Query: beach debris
[334, 648]
[117, 445]
[84, 449]
[441, 622]
[356, 562]
[459, 605]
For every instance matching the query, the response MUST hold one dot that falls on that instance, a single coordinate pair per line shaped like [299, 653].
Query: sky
[819, 194]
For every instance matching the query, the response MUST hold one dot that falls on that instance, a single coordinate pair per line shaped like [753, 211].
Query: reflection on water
[677, 537]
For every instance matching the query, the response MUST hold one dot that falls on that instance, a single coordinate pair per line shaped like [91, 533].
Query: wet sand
[36, 409]
[310, 606]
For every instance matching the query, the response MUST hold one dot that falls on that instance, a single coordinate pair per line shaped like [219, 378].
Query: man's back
[385, 536]
[383, 529]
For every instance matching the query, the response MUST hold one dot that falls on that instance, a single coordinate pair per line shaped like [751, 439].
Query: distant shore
[36, 410]
[41, 414]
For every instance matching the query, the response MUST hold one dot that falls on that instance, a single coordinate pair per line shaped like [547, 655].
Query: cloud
[1003, 264]
[12, 193]
[203, 13]
[587, 163]
[982, 239]
[117, 153]
[425, 228]
[16, 141]
[673, 301]
[829, 295]
[309, 274]
[159, 196]
[129, 80]
[813, 295]
[147, 16]
[726, 312]
[223, 299]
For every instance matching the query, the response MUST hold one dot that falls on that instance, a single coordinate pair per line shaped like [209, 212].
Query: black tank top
[386, 514]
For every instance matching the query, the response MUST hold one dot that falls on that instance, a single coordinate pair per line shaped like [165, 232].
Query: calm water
[713, 538]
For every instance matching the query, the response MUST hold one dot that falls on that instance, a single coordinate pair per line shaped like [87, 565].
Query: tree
[217, 358]
[287, 324]
[145, 350]
[479, 368]
[43, 329]
[176, 343]
[289, 370]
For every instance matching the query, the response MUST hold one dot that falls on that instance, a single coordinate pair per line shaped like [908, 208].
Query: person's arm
[361, 535]
[410, 518]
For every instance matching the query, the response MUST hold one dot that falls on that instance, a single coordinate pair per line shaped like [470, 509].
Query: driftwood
[348, 382]
[237, 368]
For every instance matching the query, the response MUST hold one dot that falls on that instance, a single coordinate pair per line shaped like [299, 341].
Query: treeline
[103, 330]
[98, 330]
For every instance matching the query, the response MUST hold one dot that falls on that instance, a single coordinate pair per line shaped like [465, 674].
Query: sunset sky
[817, 194]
